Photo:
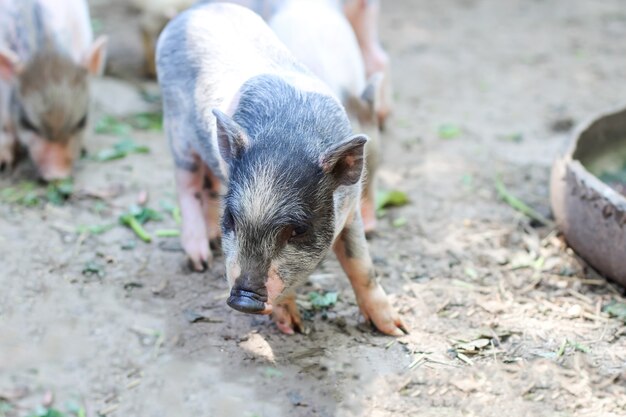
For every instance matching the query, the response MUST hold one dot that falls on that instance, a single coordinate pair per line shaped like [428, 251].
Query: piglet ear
[344, 160]
[10, 65]
[231, 138]
[95, 58]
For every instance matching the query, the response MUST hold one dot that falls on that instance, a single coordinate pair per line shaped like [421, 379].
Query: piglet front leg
[8, 150]
[194, 237]
[352, 252]
[287, 316]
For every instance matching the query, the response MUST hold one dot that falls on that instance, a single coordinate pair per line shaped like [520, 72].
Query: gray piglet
[239, 109]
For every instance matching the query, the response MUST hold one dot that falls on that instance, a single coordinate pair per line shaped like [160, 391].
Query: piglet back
[27, 26]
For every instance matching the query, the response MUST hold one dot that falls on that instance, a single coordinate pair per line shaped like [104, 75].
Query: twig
[417, 361]
[594, 317]
[429, 360]
[531, 286]
[464, 358]
[110, 409]
[519, 205]
[598, 282]
[133, 384]
[443, 305]
[580, 296]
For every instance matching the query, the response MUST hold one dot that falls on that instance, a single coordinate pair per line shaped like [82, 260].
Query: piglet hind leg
[194, 238]
[352, 252]
[211, 206]
[286, 315]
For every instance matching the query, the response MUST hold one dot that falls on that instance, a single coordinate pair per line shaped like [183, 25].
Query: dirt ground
[512, 76]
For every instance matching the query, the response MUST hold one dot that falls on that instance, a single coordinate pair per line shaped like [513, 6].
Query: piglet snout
[53, 160]
[248, 301]
[55, 173]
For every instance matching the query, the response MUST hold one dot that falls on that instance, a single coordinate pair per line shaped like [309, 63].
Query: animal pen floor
[504, 318]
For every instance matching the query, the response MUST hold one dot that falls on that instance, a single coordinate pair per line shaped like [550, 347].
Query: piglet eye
[27, 124]
[297, 231]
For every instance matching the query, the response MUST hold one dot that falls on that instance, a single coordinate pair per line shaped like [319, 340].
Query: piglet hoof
[287, 317]
[377, 309]
[199, 254]
[6, 160]
[369, 220]
[198, 265]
